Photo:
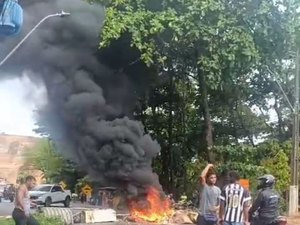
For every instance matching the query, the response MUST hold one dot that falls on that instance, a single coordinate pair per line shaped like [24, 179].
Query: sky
[19, 98]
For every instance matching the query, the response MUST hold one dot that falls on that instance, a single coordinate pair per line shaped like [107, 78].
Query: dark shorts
[202, 221]
[233, 223]
[21, 219]
[264, 221]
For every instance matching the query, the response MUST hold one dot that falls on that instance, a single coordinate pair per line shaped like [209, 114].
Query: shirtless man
[21, 213]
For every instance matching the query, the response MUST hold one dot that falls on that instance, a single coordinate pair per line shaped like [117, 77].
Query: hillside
[11, 149]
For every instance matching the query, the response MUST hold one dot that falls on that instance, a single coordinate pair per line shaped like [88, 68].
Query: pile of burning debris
[153, 208]
[158, 209]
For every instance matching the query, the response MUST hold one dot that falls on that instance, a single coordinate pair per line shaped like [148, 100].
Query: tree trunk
[164, 155]
[205, 111]
[170, 131]
[184, 133]
[280, 121]
[142, 109]
[233, 109]
[248, 134]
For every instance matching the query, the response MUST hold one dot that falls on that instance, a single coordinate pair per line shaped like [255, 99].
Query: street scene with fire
[149, 112]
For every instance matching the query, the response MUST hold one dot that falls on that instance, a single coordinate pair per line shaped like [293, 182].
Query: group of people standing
[229, 206]
[232, 205]
[102, 199]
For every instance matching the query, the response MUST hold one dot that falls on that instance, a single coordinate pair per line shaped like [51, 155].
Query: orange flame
[156, 209]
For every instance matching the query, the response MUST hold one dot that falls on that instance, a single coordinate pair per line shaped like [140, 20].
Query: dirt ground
[294, 220]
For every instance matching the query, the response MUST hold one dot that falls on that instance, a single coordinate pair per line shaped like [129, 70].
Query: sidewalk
[294, 220]
[113, 223]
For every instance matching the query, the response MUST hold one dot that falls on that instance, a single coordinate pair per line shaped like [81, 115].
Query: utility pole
[294, 188]
[296, 123]
[48, 155]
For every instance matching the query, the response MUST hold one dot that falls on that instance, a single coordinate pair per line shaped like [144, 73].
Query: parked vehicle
[9, 193]
[48, 194]
[2, 187]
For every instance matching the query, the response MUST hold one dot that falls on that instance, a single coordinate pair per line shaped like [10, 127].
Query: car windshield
[42, 188]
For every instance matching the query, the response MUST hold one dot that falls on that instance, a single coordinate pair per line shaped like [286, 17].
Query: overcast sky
[19, 97]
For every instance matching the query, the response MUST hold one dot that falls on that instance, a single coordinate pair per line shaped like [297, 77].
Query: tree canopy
[44, 157]
[205, 77]
[213, 96]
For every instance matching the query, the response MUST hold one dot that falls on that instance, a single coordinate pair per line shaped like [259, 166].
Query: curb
[5, 217]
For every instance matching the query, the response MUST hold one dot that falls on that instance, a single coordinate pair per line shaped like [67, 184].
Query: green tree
[219, 44]
[251, 162]
[278, 165]
[44, 157]
[209, 60]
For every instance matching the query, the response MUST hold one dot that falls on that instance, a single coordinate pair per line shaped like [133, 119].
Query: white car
[47, 194]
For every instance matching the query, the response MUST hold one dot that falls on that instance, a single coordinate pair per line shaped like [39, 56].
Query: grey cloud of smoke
[85, 99]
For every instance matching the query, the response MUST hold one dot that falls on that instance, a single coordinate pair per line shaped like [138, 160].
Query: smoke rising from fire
[86, 100]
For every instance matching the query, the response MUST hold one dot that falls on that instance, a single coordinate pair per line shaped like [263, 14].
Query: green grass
[42, 220]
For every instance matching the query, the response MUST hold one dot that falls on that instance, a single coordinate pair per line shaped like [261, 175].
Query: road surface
[7, 207]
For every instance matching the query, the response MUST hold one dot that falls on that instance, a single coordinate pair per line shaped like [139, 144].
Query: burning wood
[184, 217]
[154, 208]
[179, 217]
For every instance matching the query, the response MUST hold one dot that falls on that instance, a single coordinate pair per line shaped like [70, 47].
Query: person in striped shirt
[235, 202]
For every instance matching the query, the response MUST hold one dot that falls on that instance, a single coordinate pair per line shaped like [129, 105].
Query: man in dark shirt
[267, 202]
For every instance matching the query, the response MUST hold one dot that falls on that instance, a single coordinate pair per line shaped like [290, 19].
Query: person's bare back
[21, 213]
[21, 193]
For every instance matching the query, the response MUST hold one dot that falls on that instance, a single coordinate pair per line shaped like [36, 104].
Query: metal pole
[61, 14]
[296, 125]
[281, 89]
[295, 128]
[294, 188]
[48, 154]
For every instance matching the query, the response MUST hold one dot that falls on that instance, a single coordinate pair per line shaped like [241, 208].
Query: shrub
[42, 219]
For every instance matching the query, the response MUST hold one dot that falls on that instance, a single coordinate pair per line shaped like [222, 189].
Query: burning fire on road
[154, 208]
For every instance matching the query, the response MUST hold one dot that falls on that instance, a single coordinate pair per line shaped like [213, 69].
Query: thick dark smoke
[87, 101]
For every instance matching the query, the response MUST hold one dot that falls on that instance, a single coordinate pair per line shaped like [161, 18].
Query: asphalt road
[6, 207]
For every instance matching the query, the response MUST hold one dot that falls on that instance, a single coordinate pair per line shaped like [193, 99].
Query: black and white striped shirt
[234, 197]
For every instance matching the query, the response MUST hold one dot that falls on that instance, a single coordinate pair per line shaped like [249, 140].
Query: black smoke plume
[86, 101]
